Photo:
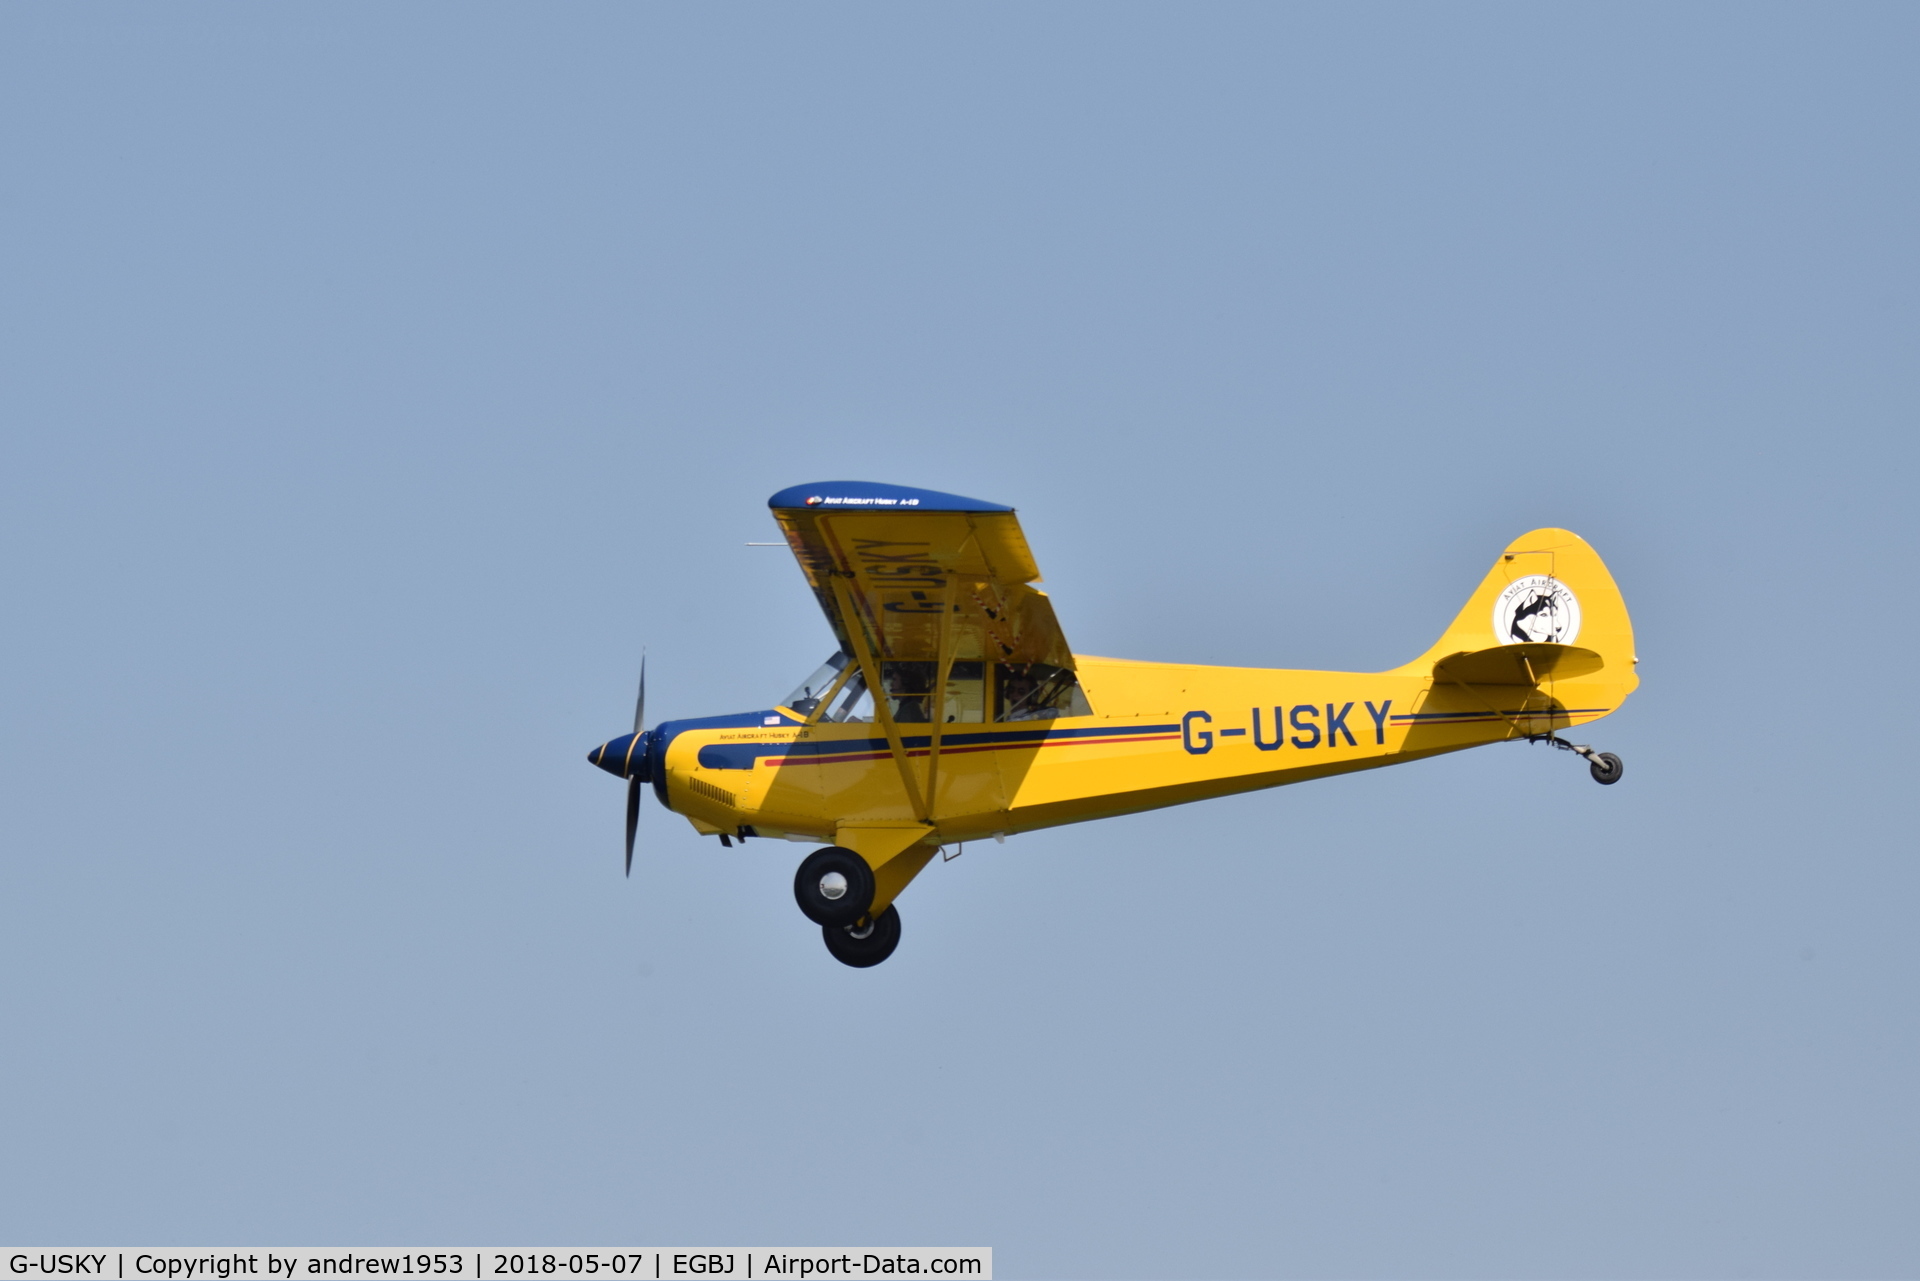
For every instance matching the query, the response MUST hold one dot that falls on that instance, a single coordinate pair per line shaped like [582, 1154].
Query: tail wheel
[1606, 768]
[864, 944]
[834, 887]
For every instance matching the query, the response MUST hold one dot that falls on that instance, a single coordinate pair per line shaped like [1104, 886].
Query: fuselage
[1160, 734]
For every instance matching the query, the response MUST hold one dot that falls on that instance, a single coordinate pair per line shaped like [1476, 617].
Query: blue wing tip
[866, 495]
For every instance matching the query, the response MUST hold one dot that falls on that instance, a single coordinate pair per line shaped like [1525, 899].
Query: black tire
[1607, 769]
[862, 946]
[814, 898]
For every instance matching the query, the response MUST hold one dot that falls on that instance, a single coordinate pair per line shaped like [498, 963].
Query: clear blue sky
[377, 380]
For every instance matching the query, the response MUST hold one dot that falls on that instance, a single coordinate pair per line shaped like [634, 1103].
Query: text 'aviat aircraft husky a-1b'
[986, 723]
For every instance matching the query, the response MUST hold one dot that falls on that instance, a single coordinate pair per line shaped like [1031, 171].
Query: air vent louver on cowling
[700, 787]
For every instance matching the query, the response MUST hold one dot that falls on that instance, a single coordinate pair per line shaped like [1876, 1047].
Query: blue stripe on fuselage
[747, 755]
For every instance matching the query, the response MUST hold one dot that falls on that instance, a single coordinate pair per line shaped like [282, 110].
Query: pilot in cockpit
[906, 688]
[1021, 696]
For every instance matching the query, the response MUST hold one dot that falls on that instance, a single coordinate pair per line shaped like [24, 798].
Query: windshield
[807, 697]
[850, 702]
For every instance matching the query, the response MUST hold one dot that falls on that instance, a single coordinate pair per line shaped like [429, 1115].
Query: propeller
[626, 757]
[633, 784]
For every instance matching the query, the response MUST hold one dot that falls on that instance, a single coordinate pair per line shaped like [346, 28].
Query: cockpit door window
[912, 700]
[1036, 691]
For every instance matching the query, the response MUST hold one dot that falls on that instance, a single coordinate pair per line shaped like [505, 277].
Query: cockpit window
[838, 681]
[909, 690]
[910, 695]
[913, 702]
[1036, 691]
[853, 703]
[815, 687]
[966, 701]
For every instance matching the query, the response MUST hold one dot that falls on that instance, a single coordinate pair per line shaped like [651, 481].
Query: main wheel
[864, 945]
[833, 887]
[1607, 769]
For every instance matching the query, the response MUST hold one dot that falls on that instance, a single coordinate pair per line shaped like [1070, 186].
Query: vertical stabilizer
[1550, 600]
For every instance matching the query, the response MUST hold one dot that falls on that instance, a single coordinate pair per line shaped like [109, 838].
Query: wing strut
[882, 711]
[937, 699]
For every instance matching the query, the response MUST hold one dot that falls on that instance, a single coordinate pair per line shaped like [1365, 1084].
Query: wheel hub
[833, 886]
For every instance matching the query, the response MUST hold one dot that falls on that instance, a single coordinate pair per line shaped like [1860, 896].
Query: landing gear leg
[1604, 766]
[867, 943]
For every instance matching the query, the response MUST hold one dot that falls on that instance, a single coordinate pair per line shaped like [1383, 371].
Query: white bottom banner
[472, 1263]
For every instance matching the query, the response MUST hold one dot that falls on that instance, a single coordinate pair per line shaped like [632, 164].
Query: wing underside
[899, 563]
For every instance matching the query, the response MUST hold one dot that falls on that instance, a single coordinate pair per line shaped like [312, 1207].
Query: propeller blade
[640, 703]
[633, 818]
[633, 784]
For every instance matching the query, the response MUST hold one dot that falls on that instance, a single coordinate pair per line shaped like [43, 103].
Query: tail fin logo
[1535, 610]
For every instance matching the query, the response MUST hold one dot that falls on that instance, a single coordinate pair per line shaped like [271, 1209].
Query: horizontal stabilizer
[1524, 665]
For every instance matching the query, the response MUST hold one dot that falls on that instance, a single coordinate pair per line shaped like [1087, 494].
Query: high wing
[895, 562]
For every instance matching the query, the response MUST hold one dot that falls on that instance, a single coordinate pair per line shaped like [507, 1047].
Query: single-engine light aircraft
[954, 710]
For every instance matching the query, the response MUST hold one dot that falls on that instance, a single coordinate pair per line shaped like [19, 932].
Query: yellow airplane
[988, 724]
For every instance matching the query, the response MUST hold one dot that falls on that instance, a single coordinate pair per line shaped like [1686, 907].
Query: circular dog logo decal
[1536, 609]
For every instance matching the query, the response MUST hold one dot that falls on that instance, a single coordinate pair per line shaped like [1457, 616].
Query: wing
[907, 557]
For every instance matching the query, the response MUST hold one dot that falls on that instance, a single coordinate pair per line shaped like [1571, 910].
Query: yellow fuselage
[1162, 734]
